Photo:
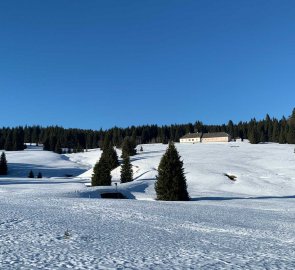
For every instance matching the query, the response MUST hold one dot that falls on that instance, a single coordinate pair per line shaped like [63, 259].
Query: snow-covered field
[242, 224]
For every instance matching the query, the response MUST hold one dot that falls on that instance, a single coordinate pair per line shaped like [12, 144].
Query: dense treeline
[59, 139]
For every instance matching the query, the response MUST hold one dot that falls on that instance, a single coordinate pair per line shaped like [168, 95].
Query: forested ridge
[57, 139]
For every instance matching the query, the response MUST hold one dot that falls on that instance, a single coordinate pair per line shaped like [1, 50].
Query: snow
[246, 224]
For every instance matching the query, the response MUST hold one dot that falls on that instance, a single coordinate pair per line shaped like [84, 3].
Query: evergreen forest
[59, 139]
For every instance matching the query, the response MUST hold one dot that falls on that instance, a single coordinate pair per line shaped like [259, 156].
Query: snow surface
[246, 224]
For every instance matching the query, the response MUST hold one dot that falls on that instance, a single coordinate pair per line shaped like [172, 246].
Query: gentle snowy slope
[261, 170]
[117, 234]
[48, 163]
[247, 224]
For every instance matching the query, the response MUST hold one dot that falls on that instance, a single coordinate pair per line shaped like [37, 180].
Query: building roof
[204, 135]
[191, 135]
[215, 134]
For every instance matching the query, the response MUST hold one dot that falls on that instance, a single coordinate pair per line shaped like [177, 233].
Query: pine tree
[39, 175]
[110, 155]
[101, 173]
[291, 131]
[171, 181]
[128, 147]
[31, 174]
[253, 134]
[3, 164]
[275, 132]
[282, 137]
[58, 148]
[106, 142]
[126, 170]
[8, 146]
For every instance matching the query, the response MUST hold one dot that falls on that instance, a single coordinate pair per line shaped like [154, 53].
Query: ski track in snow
[248, 224]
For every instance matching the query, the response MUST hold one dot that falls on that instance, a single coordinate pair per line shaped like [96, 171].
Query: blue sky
[97, 64]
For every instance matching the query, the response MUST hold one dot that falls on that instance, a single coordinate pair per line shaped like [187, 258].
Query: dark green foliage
[126, 170]
[31, 174]
[39, 175]
[253, 134]
[101, 173]
[3, 164]
[58, 148]
[171, 181]
[128, 147]
[106, 142]
[291, 130]
[55, 138]
[230, 128]
[111, 157]
[141, 149]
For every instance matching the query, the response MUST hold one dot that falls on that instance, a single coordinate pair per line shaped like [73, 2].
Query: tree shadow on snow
[23, 169]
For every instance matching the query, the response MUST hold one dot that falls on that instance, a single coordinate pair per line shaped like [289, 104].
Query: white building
[205, 137]
[191, 138]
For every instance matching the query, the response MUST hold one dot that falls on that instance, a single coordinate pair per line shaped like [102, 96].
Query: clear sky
[93, 64]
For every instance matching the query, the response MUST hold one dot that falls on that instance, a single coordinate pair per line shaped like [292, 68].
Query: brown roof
[191, 135]
[215, 135]
[204, 135]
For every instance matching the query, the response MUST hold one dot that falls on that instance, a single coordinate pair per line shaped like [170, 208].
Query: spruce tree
[128, 147]
[106, 142]
[31, 174]
[171, 181]
[126, 170]
[58, 148]
[3, 164]
[101, 173]
[282, 137]
[110, 155]
[291, 131]
[39, 175]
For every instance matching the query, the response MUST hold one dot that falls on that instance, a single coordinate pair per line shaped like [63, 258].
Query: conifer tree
[128, 147]
[101, 173]
[3, 164]
[31, 174]
[126, 170]
[39, 175]
[58, 148]
[106, 142]
[110, 155]
[171, 182]
[282, 137]
[8, 142]
[253, 135]
[291, 130]
[275, 132]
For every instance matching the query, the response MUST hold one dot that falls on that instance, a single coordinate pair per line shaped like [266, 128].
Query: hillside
[58, 222]
[261, 170]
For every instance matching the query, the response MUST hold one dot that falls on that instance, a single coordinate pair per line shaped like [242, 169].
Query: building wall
[190, 140]
[215, 139]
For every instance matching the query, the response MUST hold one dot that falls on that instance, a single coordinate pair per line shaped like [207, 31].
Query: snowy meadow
[59, 222]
